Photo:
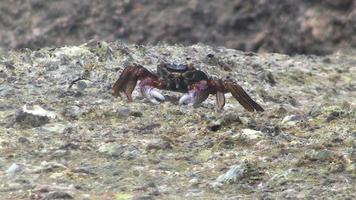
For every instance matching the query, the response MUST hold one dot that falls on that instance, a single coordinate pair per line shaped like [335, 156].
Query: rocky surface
[284, 26]
[95, 146]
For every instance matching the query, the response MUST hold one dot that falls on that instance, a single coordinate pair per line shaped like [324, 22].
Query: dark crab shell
[174, 67]
[179, 77]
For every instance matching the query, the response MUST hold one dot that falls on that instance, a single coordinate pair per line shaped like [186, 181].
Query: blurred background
[284, 26]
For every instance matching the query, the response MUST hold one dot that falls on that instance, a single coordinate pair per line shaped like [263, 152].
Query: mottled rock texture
[101, 147]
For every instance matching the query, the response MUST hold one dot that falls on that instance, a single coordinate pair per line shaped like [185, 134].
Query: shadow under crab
[196, 85]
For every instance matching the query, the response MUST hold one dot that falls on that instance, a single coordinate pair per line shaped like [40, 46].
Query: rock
[123, 111]
[271, 129]
[291, 120]
[323, 155]
[158, 145]
[315, 111]
[266, 76]
[72, 112]
[214, 126]
[54, 128]
[143, 197]
[136, 114]
[58, 195]
[15, 169]
[249, 134]
[34, 116]
[194, 182]
[118, 150]
[235, 173]
[81, 85]
[23, 140]
[248, 121]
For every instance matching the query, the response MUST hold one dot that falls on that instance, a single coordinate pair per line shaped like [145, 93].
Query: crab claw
[152, 94]
[197, 95]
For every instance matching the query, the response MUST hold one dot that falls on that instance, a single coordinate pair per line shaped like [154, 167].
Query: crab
[182, 78]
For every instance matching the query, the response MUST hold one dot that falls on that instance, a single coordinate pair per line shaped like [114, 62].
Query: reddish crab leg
[149, 82]
[228, 85]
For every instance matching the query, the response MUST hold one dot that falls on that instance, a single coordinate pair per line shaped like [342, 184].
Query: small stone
[54, 128]
[118, 150]
[111, 149]
[158, 145]
[58, 195]
[136, 114]
[230, 118]
[82, 84]
[267, 76]
[314, 111]
[232, 175]
[35, 116]
[15, 169]
[143, 197]
[322, 155]
[214, 126]
[123, 112]
[72, 112]
[250, 134]
[249, 122]
[23, 140]
[193, 181]
[292, 120]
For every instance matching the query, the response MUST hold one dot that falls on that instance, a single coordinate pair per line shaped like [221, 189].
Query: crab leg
[227, 85]
[148, 83]
[195, 96]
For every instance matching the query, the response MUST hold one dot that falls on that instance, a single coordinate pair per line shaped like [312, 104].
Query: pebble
[72, 112]
[159, 144]
[292, 120]
[119, 150]
[249, 134]
[15, 169]
[54, 128]
[34, 116]
[58, 195]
